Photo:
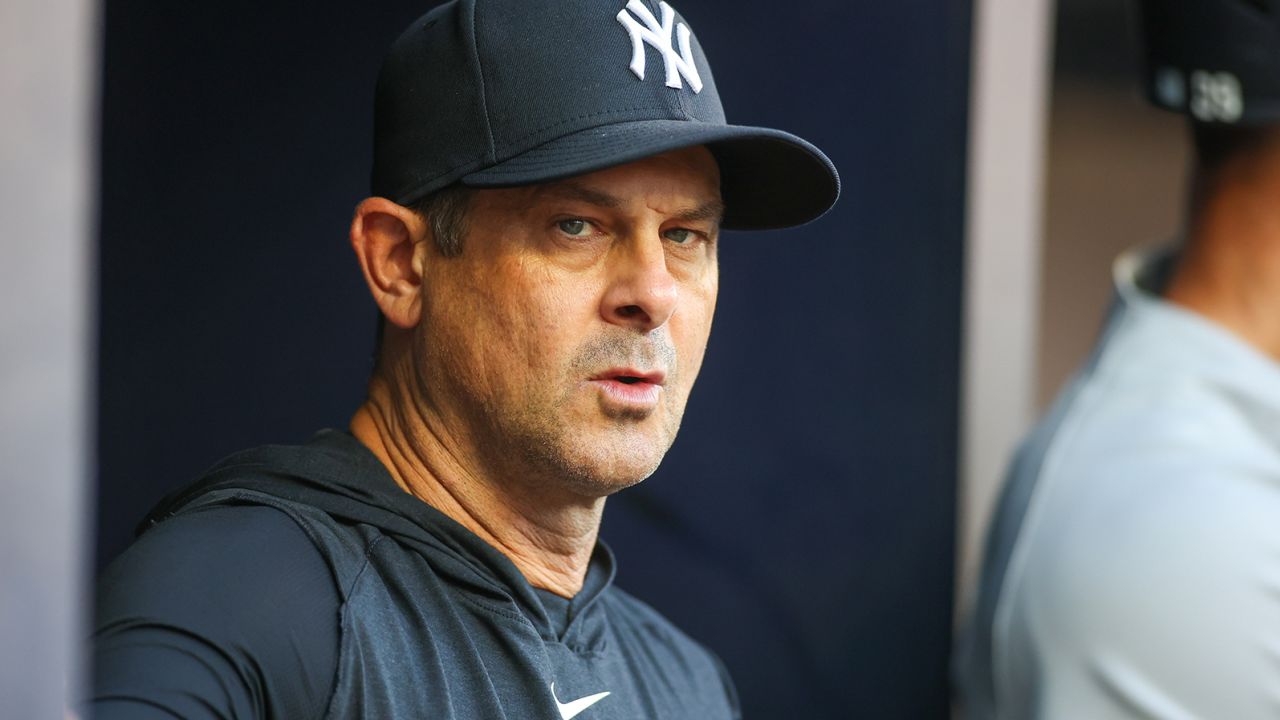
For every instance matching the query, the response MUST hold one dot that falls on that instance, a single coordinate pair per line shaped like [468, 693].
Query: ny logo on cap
[658, 34]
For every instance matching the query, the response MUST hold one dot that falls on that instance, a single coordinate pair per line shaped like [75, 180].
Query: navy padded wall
[802, 525]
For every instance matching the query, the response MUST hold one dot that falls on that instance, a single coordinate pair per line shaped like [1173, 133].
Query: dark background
[803, 524]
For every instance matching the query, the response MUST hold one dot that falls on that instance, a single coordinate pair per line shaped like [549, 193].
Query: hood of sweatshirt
[335, 473]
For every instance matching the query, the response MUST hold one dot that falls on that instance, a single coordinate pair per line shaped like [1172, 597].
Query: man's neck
[1229, 270]
[548, 537]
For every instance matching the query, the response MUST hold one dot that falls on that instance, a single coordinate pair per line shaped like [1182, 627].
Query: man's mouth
[630, 387]
[630, 376]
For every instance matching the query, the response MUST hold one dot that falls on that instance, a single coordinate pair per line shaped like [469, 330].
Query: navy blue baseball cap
[501, 93]
[1217, 61]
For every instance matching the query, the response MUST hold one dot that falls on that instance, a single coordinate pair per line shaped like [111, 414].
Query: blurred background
[1115, 178]
[187, 172]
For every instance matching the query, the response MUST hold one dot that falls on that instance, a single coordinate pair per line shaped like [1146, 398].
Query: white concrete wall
[1011, 55]
[48, 86]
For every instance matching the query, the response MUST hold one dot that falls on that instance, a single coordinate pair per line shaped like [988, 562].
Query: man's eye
[575, 227]
[681, 235]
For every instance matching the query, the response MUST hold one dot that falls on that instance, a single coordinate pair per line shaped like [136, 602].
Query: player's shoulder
[1145, 575]
[218, 562]
[224, 606]
[1111, 437]
[1148, 486]
[1148, 532]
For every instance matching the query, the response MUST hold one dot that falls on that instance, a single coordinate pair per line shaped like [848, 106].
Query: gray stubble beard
[549, 447]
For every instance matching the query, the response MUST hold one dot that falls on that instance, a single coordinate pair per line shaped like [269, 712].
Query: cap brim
[768, 178]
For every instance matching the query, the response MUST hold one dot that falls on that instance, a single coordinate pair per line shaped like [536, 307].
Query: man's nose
[642, 293]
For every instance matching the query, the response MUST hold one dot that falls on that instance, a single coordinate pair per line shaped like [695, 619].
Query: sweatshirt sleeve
[225, 612]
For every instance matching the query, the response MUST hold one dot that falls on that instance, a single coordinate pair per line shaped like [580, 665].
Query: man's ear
[384, 236]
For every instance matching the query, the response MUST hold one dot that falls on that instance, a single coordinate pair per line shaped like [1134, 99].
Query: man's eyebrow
[569, 190]
[712, 210]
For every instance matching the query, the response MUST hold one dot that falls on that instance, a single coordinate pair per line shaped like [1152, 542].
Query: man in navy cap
[1133, 567]
[550, 182]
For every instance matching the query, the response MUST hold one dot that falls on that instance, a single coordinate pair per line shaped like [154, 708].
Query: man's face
[559, 349]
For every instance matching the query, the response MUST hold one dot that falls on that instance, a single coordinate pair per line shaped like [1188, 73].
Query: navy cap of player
[1217, 61]
[495, 93]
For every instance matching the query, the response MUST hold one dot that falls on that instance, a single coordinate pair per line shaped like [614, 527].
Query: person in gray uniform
[549, 185]
[1133, 565]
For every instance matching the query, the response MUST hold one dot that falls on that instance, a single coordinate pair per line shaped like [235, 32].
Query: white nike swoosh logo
[571, 710]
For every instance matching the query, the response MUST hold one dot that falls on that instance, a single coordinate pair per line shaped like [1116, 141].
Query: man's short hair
[445, 212]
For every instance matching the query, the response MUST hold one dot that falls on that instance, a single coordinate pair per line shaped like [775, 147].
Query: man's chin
[604, 469]
[594, 456]
[604, 479]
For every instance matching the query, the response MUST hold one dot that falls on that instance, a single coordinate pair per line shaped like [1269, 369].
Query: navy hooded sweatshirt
[302, 582]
